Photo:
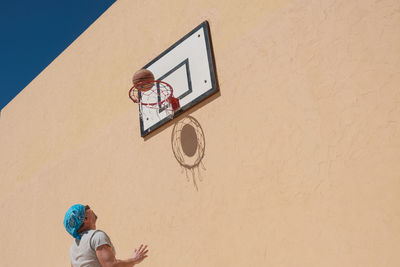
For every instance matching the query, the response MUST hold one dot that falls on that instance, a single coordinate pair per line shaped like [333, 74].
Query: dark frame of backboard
[208, 93]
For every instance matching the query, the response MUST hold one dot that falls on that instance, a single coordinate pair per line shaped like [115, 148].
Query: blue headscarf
[73, 219]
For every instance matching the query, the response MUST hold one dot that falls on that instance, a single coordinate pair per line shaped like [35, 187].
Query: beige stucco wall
[302, 144]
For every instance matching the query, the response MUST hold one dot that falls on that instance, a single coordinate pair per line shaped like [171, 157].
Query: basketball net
[154, 97]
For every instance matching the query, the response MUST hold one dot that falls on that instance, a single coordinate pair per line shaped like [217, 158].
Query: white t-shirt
[83, 252]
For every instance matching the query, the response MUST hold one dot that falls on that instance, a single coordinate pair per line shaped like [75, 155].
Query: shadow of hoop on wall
[188, 145]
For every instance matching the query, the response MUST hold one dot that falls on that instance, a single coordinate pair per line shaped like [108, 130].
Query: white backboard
[188, 66]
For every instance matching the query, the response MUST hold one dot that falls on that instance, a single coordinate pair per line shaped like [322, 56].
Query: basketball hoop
[154, 96]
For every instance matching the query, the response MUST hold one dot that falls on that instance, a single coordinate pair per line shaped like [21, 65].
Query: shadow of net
[188, 145]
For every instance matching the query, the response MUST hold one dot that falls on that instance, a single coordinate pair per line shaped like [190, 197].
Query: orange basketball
[144, 76]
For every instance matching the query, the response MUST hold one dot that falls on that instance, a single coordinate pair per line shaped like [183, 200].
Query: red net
[154, 95]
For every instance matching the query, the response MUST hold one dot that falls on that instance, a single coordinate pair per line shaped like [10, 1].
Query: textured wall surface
[302, 143]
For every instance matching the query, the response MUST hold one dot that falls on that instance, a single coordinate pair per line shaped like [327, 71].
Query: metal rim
[135, 87]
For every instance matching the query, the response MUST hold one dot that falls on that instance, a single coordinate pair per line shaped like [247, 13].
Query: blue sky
[34, 33]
